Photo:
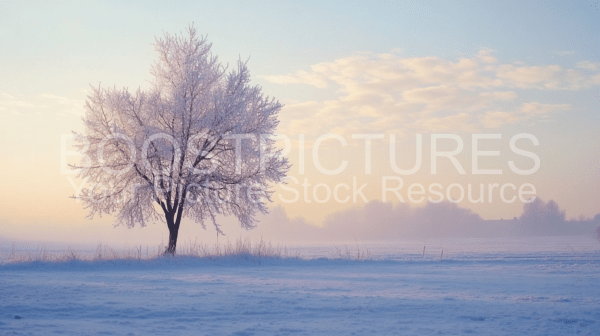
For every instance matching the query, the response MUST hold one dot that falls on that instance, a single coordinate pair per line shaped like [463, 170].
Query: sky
[453, 73]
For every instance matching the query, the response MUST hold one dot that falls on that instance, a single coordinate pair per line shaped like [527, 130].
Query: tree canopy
[198, 144]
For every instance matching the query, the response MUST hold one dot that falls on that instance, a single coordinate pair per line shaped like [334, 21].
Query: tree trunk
[173, 231]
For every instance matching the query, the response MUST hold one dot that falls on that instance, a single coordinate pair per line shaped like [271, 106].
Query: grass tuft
[351, 254]
[242, 249]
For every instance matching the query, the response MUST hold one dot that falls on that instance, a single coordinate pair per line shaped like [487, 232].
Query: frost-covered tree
[540, 212]
[198, 144]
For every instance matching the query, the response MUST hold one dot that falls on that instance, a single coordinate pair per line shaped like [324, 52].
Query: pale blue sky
[52, 51]
[68, 44]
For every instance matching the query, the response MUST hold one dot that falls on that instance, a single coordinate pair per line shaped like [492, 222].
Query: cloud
[535, 108]
[8, 102]
[485, 56]
[42, 104]
[551, 77]
[299, 77]
[499, 95]
[565, 52]
[382, 93]
[589, 65]
[495, 119]
[460, 122]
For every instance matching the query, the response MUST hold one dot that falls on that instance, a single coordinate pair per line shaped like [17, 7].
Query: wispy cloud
[495, 119]
[565, 52]
[44, 104]
[390, 93]
[589, 65]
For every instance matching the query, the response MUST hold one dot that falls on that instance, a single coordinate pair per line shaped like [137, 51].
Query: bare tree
[198, 144]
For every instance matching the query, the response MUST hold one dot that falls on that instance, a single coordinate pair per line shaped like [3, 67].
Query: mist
[377, 221]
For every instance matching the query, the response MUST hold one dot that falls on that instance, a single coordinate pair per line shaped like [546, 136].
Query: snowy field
[542, 286]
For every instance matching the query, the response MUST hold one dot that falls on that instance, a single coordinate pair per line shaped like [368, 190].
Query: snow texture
[492, 293]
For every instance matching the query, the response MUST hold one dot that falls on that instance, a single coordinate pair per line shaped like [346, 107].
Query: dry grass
[352, 254]
[242, 249]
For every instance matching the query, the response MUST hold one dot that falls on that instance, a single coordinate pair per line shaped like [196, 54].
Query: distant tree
[198, 144]
[538, 211]
[597, 219]
[540, 217]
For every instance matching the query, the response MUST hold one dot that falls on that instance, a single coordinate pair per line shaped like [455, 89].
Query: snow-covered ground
[487, 287]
